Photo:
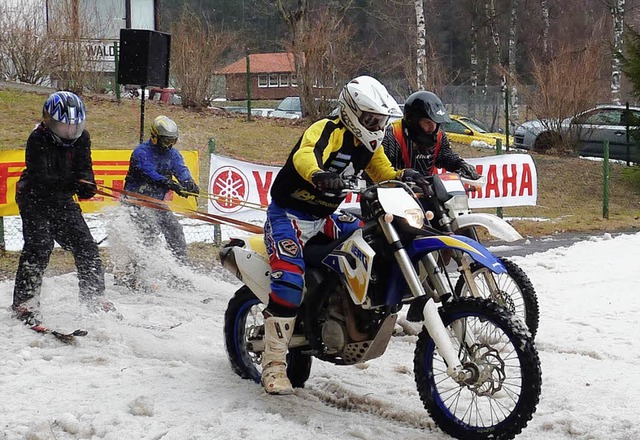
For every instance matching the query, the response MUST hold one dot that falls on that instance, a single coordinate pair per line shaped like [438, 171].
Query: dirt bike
[476, 367]
[448, 201]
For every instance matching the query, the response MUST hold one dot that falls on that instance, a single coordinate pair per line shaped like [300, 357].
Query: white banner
[243, 187]
[512, 180]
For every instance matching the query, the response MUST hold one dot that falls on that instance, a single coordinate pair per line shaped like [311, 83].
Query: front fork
[464, 266]
[432, 321]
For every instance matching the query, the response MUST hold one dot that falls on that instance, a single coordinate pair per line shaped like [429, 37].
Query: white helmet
[365, 108]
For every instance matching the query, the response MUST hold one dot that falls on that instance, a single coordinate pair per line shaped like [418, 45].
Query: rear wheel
[244, 325]
[546, 141]
[515, 291]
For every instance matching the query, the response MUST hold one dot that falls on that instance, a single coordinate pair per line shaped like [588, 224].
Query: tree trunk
[513, 22]
[617, 15]
[474, 58]
[421, 43]
[544, 9]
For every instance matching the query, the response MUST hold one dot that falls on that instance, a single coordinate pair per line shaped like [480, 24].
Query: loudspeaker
[144, 57]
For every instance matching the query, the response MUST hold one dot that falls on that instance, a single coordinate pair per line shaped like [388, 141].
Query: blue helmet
[64, 115]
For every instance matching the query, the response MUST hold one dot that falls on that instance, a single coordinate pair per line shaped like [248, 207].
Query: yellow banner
[110, 168]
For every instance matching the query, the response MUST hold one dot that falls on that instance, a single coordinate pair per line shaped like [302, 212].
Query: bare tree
[544, 12]
[617, 15]
[513, 21]
[25, 50]
[421, 44]
[195, 53]
[566, 85]
[318, 40]
[70, 33]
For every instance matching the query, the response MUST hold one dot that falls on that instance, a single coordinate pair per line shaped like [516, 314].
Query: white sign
[242, 188]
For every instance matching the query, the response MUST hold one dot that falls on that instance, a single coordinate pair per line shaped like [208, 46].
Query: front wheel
[503, 379]
[244, 325]
[515, 291]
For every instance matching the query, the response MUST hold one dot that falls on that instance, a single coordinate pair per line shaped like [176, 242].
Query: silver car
[591, 128]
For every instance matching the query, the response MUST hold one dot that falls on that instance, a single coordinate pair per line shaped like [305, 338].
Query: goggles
[166, 142]
[373, 121]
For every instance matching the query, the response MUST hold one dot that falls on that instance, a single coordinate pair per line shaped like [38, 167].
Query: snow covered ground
[162, 372]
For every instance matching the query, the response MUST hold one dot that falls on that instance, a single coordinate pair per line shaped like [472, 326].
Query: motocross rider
[305, 194]
[417, 140]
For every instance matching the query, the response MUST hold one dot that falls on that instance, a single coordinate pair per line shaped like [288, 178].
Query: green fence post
[605, 189]
[248, 88]
[117, 61]
[3, 247]
[499, 212]
[217, 232]
[506, 115]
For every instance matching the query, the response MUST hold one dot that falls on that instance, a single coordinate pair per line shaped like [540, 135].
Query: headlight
[415, 217]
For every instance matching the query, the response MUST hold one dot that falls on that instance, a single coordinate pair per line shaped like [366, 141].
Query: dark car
[591, 128]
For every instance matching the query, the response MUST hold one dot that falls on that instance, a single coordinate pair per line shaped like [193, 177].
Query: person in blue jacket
[152, 167]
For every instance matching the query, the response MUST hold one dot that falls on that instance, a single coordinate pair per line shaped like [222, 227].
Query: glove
[469, 171]
[174, 186]
[328, 181]
[191, 186]
[411, 175]
[85, 191]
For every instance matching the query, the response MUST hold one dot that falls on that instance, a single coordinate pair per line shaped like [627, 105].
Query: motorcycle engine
[334, 336]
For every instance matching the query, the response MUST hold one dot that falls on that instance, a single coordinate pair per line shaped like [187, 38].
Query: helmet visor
[69, 132]
[373, 121]
[167, 142]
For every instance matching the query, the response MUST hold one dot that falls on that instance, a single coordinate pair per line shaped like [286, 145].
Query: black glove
[191, 186]
[469, 171]
[411, 175]
[328, 181]
[85, 191]
[174, 186]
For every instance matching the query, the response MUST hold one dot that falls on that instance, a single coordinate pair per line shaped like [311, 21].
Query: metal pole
[142, 113]
[499, 152]
[217, 231]
[627, 121]
[506, 114]
[248, 88]
[605, 189]
[3, 247]
[117, 68]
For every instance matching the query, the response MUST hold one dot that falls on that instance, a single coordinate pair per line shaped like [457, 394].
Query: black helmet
[424, 105]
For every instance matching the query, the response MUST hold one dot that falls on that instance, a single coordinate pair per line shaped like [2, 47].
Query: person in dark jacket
[417, 140]
[152, 167]
[58, 160]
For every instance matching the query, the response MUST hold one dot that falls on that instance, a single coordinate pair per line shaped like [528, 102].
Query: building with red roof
[273, 76]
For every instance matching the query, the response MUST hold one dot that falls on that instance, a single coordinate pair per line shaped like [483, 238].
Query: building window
[294, 80]
[263, 81]
[284, 80]
[273, 80]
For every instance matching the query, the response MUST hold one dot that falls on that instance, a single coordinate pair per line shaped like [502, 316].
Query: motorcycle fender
[496, 226]
[255, 272]
[475, 250]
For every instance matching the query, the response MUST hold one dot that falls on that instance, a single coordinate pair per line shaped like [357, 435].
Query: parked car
[466, 130]
[289, 108]
[589, 128]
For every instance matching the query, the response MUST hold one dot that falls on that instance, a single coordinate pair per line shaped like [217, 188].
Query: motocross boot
[277, 334]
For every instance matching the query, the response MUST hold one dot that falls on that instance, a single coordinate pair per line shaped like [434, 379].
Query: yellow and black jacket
[326, 145]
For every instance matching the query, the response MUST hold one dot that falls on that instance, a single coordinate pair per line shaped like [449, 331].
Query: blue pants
[285, 233]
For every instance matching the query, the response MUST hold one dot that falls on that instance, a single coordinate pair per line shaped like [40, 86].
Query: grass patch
[570, 191]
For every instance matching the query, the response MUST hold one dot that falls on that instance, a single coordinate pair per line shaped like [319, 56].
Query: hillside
[569, 190]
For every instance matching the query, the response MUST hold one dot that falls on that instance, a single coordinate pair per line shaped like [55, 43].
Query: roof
[262, 63]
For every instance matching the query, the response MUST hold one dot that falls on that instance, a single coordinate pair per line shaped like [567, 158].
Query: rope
[150, 202]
